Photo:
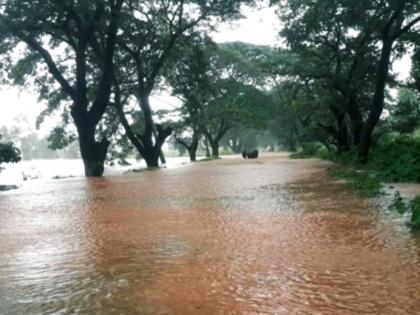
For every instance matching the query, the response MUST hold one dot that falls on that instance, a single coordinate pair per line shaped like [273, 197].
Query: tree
[8, 153]
[217, 88]
[334, 56]
[68, 56]
[151, 33]
[187, 134]
[397, 19]
[405, 114]
[241, 138]
[345, 48]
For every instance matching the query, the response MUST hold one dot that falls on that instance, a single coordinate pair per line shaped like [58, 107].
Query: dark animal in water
[250, 155]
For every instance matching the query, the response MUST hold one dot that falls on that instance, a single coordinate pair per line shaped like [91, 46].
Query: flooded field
[271, 236]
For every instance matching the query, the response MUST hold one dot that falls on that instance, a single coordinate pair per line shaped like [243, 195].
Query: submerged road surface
[270, 236]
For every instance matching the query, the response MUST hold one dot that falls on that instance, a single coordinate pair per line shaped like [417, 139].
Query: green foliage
[323, 153]
[219, 89]
[367, 183]
[397, 159]
[399, 204]
[59, 138]
[155, 34]
[415, 216]
[311, 150]
[335, 52]
[394, 158]
[32, 147]
[240, 138]
[405, 115]
[9, 153]
[403, 206]
[348, 158]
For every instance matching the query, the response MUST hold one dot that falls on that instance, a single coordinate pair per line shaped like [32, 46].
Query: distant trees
[341, 52]
[150, 35]
[187, 134]
[217, 87]
[32, 146]
[8, 153]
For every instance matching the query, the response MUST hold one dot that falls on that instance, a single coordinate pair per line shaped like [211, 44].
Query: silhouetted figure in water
[250, 155]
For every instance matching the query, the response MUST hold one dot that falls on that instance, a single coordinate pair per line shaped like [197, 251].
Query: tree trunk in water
[192, 150]
[151, 157]
[161, 154]
[378, 101]
[193, 154]
[214, 149]
[93, 154]
[152, 147]
[206, 146]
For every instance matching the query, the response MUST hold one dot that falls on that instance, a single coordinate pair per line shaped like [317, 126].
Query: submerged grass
[366, 183]
[403, 205]
[395, 158]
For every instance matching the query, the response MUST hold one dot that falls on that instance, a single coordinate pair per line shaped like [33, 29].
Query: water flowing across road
[270, 236]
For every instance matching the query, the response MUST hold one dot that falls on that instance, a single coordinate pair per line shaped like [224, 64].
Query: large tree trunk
[214, 149]
[206, 146]
[215, 139]
[151, 156]
[378, 101]
[93, 153]
[153, 136]
[291, 144]
[343, 137]
[193, 154]
[356, 118]
[161, 154]
[340, 132]
[192, 150]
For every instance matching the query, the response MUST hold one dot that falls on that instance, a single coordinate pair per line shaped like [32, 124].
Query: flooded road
[271, 236]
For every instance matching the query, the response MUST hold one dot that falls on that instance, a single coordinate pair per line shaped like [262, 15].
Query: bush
[9, 153]
[403, 206]
[397, 158]
[415, 215]
[367, 183]
[346, 158]
[400, 204]
[311, 150]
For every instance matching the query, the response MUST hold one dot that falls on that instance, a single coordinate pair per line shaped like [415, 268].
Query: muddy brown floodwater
[271, 236]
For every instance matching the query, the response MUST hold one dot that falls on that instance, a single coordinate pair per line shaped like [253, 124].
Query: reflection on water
[16, 173]
[271, 236]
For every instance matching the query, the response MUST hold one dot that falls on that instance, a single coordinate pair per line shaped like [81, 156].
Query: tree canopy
[97, 63]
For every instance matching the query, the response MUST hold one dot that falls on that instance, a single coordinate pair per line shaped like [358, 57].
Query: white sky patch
[14, 103]
[403, 67]
[259, 26]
